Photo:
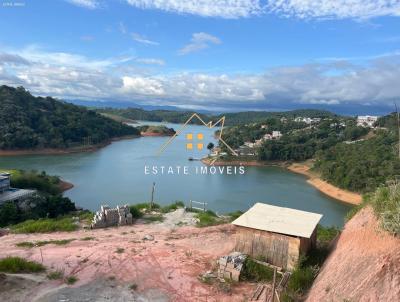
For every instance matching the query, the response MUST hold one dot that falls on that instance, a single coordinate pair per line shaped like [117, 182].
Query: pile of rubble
[107, 217]
[230, 266]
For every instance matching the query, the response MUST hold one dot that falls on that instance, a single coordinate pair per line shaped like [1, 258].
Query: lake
[116, 175]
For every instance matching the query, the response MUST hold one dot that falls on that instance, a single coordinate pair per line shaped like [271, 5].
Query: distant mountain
[28, 122]
[231, 118]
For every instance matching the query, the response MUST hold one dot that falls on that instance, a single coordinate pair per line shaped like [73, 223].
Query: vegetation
[28, 244]
[255, 272]
[159, 130]
[308, 267]
[120, 250]
[236, 118]
[45, 225]
[28, 122]
[71, 280]
[386, 204]
[47, 203]
[56, 275]
[362, 166]
[17, 265]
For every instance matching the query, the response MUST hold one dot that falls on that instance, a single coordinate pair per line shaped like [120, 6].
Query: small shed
[276, 234]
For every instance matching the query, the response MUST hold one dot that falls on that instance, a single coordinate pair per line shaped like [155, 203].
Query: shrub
[253, 271]
[55, 275]
[71, 280]
[135, 211]
[26, 244]
[208, 218]
[19, 265]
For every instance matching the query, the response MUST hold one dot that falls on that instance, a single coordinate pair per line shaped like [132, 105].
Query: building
[276, 134]
[7, 193]
[307, 120]
[107, 217]
[276, 234]
[367, 120]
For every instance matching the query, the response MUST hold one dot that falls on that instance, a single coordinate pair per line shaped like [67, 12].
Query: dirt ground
[364, 266]
[119, 264]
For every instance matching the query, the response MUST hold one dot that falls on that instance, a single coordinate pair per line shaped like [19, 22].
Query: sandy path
[168, 265]
[325, 187]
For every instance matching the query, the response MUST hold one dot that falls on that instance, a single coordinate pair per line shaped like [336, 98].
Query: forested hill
[28, 122]
[235, 118]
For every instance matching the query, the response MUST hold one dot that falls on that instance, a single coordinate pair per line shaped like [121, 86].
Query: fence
[203, 208]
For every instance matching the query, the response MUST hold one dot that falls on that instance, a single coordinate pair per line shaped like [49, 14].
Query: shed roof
[281, 220]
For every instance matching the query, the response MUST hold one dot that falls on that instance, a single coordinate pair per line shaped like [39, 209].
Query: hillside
[235, 118]
[364, 265]
[28, 122]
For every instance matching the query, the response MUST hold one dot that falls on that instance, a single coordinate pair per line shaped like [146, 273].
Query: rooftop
[281, 220]
[14, 194]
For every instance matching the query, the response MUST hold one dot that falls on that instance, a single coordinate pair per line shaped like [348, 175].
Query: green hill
[235, 118]
[28, 122]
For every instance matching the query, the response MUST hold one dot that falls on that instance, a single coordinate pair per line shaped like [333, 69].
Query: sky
[216, 55]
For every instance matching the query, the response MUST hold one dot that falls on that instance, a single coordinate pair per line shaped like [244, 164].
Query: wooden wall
[277, 249]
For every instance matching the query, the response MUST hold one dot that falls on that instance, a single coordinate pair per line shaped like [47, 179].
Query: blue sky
[215, 55]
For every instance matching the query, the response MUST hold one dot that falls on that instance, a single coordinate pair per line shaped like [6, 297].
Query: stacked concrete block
[231, 266]
[112, 217]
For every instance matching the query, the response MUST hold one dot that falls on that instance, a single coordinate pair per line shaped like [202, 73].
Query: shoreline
[65, 185]
[325, 187]
[314, 180]
[53, 151]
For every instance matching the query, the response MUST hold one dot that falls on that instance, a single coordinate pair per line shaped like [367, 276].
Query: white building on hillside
[366, 120]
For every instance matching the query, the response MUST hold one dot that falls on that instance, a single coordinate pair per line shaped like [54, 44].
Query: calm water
[116, 175]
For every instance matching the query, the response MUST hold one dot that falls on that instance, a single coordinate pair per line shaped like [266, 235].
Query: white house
[366, 120]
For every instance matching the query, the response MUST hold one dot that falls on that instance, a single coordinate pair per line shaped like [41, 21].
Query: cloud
[335, 9]
[142, 39]
[87, 38]
[303, 9]
[91, 4]
[198, 42]
[122, 28]
[12, 59]
[230, 9]
[150, 61]
[142, 86]
[69, 75]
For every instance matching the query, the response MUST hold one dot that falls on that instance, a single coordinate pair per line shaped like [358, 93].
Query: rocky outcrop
[364, 265]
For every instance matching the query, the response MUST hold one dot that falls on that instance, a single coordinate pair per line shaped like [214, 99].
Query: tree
[210, 146]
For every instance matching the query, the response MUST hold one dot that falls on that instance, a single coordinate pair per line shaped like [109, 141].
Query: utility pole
[152, 195]
[398, 124]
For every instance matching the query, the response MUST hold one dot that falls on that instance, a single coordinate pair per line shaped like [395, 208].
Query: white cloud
[205, 8]
[150, 61]
[358, 9]
[91, 4]
[198, 42]
[142, 86]
[340, 9]
[68, 75]
[142, 39]
[122, 28]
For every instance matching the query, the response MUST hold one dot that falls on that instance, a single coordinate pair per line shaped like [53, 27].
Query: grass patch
[25, 244]
[253, 271]
[55, 275]
[119, 250]
[88, 238]
[172, 207]
[28, 244]
[19, 265]
[71, 280]
[208, 218]
[133, 286]
[153, 218]
[46, 225]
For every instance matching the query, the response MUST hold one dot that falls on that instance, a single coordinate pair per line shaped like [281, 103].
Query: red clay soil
[171, 263]
[364, 266]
